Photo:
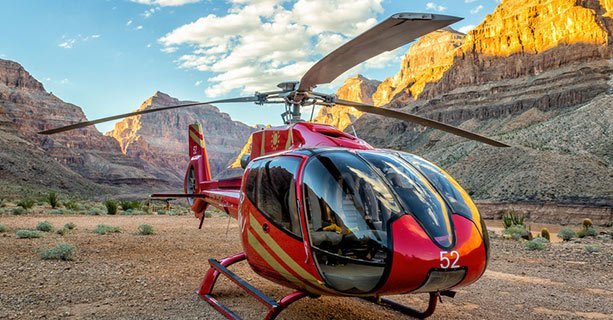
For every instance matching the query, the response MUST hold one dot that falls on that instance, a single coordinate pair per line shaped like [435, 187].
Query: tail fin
[198, 171]
[197, 147]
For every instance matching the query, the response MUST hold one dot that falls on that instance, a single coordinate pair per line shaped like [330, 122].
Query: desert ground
[130, 276]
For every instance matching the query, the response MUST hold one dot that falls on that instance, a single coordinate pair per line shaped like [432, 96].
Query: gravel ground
[129, 276]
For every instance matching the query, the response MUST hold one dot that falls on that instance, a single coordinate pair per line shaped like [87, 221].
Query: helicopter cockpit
[351, 199]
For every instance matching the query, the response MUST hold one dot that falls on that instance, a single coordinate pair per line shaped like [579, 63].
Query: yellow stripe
[196, 139]
[270, 242]
[263, 144]
[290, 138]
[261, 251]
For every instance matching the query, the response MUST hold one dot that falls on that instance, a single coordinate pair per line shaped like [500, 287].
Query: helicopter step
[217, 268]
[434, 298]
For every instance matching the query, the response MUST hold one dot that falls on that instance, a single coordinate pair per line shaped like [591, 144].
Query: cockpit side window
[271, 186]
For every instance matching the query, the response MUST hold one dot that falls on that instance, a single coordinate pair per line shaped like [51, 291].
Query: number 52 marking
[447, 257]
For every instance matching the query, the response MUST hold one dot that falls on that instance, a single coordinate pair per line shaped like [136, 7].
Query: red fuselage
[324, 212]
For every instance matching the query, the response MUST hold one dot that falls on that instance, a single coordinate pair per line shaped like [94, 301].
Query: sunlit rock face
[425, 62]
[527, 38]
[357, 89]
[161, 138]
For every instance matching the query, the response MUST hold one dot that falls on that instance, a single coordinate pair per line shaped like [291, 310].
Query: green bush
[56, 211]
[516, 232]
[592, 248]
[94, 212]
[26, 203]
[161, 211]
[19, 211]
[512, 218]
[537, 244]
[111, 206]
[53, 199]
[70, 226]
[3, 228]
[62, 231]
[62, 251]
[72, 205]
[2, 203]
[105, 229]
[566, 234]
[44, 226]
[587, 232]
[26, 234]
[145, 230]
[129, 205]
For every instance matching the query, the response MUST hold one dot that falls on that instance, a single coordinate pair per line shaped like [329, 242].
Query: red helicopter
[325, 213]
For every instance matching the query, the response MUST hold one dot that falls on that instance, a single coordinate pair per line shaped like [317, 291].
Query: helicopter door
[348, 208]
[271, 187]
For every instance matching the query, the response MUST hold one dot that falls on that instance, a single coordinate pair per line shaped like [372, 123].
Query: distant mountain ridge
[160, 138]
[87, 162]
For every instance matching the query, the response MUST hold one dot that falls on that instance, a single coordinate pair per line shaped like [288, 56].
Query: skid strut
[434, 298]
[221, 267]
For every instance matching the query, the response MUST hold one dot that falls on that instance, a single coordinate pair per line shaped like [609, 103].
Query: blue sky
[108, 56]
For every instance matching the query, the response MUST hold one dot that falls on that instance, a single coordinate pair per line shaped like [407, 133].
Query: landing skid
[217, 268]
[434, 298]
[275, 307]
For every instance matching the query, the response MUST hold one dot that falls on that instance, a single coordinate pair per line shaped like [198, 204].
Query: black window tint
[275, 192]
[251, 182]
[456, 197]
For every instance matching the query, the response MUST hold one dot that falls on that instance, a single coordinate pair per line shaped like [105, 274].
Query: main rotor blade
[390, 34]
[422, 121]
[131, 114]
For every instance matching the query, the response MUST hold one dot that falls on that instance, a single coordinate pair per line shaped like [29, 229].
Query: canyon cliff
[534, 74]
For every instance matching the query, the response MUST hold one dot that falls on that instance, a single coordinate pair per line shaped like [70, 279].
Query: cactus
[587, 223]
[512, 218]
[545, 234]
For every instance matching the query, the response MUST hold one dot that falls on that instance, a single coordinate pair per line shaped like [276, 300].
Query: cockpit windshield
[417, 195]
[348, 208]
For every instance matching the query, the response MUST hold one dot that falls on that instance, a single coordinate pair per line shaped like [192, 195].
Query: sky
[108, 56]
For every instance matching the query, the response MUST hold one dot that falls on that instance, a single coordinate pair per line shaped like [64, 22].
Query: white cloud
[165, 3]
[138, 28]
[259, 43]
[466, 28]
[198, 83]
[67, 44]
[170, 49]
[476, 9]
[129, 22]
[64, 81]
[435, 7]
[469, 1]
[149, 12]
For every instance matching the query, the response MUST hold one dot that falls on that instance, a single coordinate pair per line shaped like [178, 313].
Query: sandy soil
[129, 276]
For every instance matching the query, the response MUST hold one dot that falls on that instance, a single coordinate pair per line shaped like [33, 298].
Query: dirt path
[129, 276]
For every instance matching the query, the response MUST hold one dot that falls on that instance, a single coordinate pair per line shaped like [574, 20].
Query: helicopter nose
[420, 264]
